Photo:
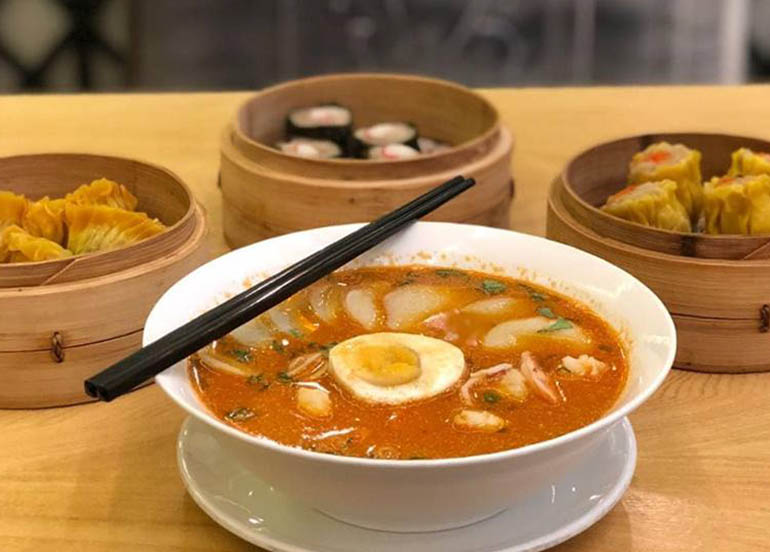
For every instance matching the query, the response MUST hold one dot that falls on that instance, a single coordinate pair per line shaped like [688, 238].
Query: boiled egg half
[394, 368]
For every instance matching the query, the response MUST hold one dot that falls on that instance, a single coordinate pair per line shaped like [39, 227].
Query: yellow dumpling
[652, 204]
[737, 205]
[103, 192]
[745, 161]
[18, 246]
[12, 208]
[664, 161]
[100, 227]
[45, 218]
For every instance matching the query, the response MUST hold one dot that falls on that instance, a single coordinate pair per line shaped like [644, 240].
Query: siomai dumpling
[18, 246]
[652, 204]
[103, 192]
[45, 218]
[745, 162]
[664, 161]
[12, 208]
[100, 227]
[737, 205]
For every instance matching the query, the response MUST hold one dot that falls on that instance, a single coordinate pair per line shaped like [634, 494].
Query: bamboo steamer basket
[716, 287]
[66, 319]
[266, 192]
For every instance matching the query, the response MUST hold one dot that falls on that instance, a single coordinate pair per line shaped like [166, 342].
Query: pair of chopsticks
[149, 361]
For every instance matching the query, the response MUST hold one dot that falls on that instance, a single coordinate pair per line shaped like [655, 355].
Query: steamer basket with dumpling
[267, 192]
[715, 286]
[65, 319]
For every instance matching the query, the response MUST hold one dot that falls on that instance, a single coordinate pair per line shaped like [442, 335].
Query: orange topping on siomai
[657, 156]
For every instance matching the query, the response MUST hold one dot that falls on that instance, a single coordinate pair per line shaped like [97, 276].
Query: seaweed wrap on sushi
[383, 134]
[652, 204]
[745, 161]
[664, 161]
[322, 122]
[307, 147]
[392, 152]
[737, 205]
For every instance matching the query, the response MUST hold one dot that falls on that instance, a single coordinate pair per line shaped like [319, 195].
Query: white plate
[257, 513]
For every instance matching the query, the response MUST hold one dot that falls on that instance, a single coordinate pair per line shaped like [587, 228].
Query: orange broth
[264, 403]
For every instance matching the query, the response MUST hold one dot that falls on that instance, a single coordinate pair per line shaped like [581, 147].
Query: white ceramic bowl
[424, 495]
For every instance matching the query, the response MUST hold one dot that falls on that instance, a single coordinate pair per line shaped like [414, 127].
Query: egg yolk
[387, 365]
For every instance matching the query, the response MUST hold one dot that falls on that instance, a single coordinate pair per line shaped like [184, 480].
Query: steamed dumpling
[45, 218]
[652, 204]
[18, 246]
[100, 227]
[745, 162]
[737, 205]
[664, 161]
[103, 192]
[12, 209]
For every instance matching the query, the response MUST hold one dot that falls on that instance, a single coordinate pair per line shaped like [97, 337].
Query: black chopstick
[149, 361]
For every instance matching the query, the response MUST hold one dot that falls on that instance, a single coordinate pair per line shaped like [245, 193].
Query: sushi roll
[383, 134]
[737, 205]
[322, 122]
[428, 145]
[392, 152]
[306, 147]
[652, 204]
[745, 161]
[675, 162]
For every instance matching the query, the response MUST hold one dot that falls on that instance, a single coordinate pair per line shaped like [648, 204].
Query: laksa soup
[414, 363]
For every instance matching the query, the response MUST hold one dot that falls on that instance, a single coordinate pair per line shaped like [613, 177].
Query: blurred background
[113, 45]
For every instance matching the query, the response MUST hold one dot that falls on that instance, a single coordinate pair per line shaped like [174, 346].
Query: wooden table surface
[102, 477]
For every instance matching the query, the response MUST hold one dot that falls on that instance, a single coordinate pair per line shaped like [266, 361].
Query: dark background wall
[67, 45]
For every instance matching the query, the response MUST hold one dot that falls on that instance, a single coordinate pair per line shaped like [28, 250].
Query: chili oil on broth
[261, 398]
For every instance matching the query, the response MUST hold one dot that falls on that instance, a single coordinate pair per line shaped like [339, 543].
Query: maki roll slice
[321, 122]
[314, 149]
[392, 152]
[429, 145]
[652, 204]
[737, 205]
[675, 162]
[383, 134]
[745, 161]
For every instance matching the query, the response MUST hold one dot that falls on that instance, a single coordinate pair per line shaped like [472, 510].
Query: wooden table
[103, 476]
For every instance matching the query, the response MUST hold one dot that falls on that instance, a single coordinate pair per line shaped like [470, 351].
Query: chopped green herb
[277, 346]
[405, 282]
[447, 272]
[329, 346]
[418, 458]
[242, 355]
[545, 311]
[560, 324]
[491, 397]
[492, 287]
[240, 414]
[296, 333]
[533, 293]
[259, 381]
[283, 377]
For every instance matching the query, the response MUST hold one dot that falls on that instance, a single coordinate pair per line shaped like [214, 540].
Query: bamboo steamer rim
[504, 145]
[574, 197]
[187, 247]
[563, 213]
[185, 220]
[467, 146]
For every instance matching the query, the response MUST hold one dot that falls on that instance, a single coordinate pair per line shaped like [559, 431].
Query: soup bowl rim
[607, 420]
